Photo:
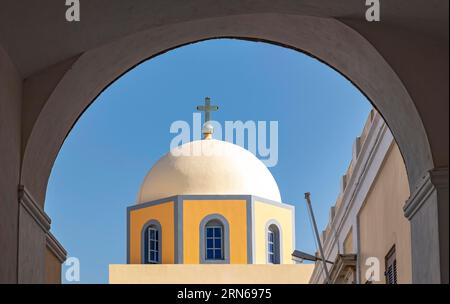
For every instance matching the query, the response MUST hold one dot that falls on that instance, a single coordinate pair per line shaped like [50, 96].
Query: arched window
[273, 244]
[151, 240]
[214, 239]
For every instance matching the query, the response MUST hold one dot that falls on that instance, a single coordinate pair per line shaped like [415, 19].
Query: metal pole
[308, 203]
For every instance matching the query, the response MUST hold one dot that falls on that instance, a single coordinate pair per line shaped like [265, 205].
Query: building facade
[368, 238]
[217, 229]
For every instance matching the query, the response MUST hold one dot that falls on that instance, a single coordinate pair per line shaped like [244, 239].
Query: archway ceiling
[42, 28]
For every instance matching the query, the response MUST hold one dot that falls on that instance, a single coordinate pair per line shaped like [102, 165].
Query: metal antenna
[311, 213]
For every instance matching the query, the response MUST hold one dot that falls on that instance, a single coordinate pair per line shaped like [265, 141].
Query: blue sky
[104, 159]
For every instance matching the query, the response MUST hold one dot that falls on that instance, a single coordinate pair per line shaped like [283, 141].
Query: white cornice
[55, 247]
[34, 209]
[370, 158]
[364, 163]
[434, 179]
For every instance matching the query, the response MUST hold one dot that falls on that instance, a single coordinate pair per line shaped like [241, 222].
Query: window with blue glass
[153, 245]
[273, 245]
[214, 241]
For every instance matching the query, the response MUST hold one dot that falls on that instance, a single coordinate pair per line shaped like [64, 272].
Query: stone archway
[371, 57]
[329, 40]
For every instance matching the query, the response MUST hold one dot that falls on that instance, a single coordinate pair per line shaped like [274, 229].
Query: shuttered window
[391, 267]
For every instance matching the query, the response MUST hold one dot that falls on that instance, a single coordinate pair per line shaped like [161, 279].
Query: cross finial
[207, 109]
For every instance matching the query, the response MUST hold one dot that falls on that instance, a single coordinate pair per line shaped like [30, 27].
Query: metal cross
[207, 108]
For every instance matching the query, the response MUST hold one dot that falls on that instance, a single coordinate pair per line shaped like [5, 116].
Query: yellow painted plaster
[164, 213]
[235, 211]
[263, 213]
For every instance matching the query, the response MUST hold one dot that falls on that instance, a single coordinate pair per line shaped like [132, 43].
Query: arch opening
[328, 40]
[205, 240]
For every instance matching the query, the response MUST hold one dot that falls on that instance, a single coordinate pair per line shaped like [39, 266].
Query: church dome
[208, 167]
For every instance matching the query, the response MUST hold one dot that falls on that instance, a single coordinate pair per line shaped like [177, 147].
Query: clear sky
[104, 159]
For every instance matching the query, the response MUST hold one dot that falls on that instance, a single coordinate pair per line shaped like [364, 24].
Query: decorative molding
[187, 197]
[433, 179]
[55, 247]
[169, 199]
[178, 201]
[377, 142]
[272, 202]
[372, 152]
[34, 209]
[439, 178]
[342, 267]
[128, 234]
[250, 231]
[178, 216]
[378, 135]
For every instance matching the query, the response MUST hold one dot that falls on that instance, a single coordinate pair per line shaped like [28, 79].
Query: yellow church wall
[164, 213]
[235, 211]
[210, 274]
[263, 213]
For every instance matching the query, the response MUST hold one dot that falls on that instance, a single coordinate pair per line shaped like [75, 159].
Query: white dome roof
[208, 167]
